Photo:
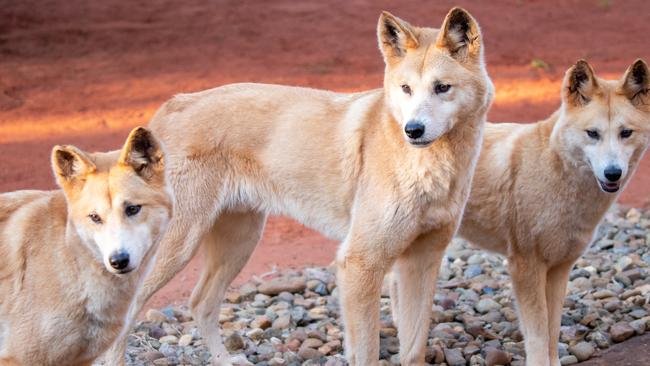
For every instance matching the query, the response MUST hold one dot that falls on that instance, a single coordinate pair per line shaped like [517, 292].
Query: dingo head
[434, 78]
[605, 124]
[118, 202]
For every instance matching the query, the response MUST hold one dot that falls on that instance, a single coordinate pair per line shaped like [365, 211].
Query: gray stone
[494, 357]
[582, 350]
[234, 342]
[247, 291]
[621, 331]
[307, 353]
[599, 338]
[169, 339]
[278, 285]
[454, 357]
[473, 271]
[185, 340]
[150, 356]
[282, 322]
[639, 326]
[312, 343]
[485, 305]
[156, 316]
[568, 360]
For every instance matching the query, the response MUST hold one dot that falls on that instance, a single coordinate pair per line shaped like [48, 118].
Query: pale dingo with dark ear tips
[71, 260]
[541, 189]
[386, 171]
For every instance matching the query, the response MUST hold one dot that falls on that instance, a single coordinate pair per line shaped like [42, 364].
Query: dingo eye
[95, 217]
[132, 210]
[442, 88]
[626, 132]
[406, 89]
[593, 134]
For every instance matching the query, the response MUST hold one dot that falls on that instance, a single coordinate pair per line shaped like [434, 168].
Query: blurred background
[85, 72]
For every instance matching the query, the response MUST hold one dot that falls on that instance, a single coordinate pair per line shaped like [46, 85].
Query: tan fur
[339, 163]
[59, 305]
[536, 198]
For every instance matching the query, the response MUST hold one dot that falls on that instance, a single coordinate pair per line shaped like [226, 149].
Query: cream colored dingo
[386, 171]
[540, 191]
[71, 260]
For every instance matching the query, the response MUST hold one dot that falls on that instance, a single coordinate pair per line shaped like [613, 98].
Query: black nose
[119, 260]
[613, 173]
[414, 129]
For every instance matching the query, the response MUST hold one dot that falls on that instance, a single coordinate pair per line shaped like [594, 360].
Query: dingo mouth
[418, 143]
[609, 187]
[121, 272]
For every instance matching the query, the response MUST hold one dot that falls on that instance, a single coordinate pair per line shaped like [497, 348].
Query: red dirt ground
[633, 352]
[85, 72]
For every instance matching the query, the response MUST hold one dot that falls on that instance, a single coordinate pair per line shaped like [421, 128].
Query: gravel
[293, 317]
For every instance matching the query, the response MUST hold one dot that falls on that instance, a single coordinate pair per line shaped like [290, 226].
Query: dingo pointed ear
[143, 153]
[460, 35]
[395, 36]
[579, 84]
[636, 84]
[70, 165]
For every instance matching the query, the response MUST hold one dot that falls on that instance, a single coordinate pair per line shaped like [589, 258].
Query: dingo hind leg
[228, 246]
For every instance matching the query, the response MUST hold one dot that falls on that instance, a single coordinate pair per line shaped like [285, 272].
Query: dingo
[541, 189]
[65, 255]
[386, 171]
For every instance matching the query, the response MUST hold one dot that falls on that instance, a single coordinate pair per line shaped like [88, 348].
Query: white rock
[486, 305]
[185, 340]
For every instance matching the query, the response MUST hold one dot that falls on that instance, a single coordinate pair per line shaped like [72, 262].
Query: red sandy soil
[85, 72]
[633, 352]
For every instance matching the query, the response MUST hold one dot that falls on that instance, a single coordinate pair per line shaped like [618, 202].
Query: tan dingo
[540, 190]
[386, 171]
[65, 255]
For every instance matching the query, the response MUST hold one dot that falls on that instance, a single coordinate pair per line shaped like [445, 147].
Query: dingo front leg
[414, 278]
[360, 274]
[529, 282]
[394, 295]
[556, 282]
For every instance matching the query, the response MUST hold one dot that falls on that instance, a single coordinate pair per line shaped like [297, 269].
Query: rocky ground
[292, 317]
